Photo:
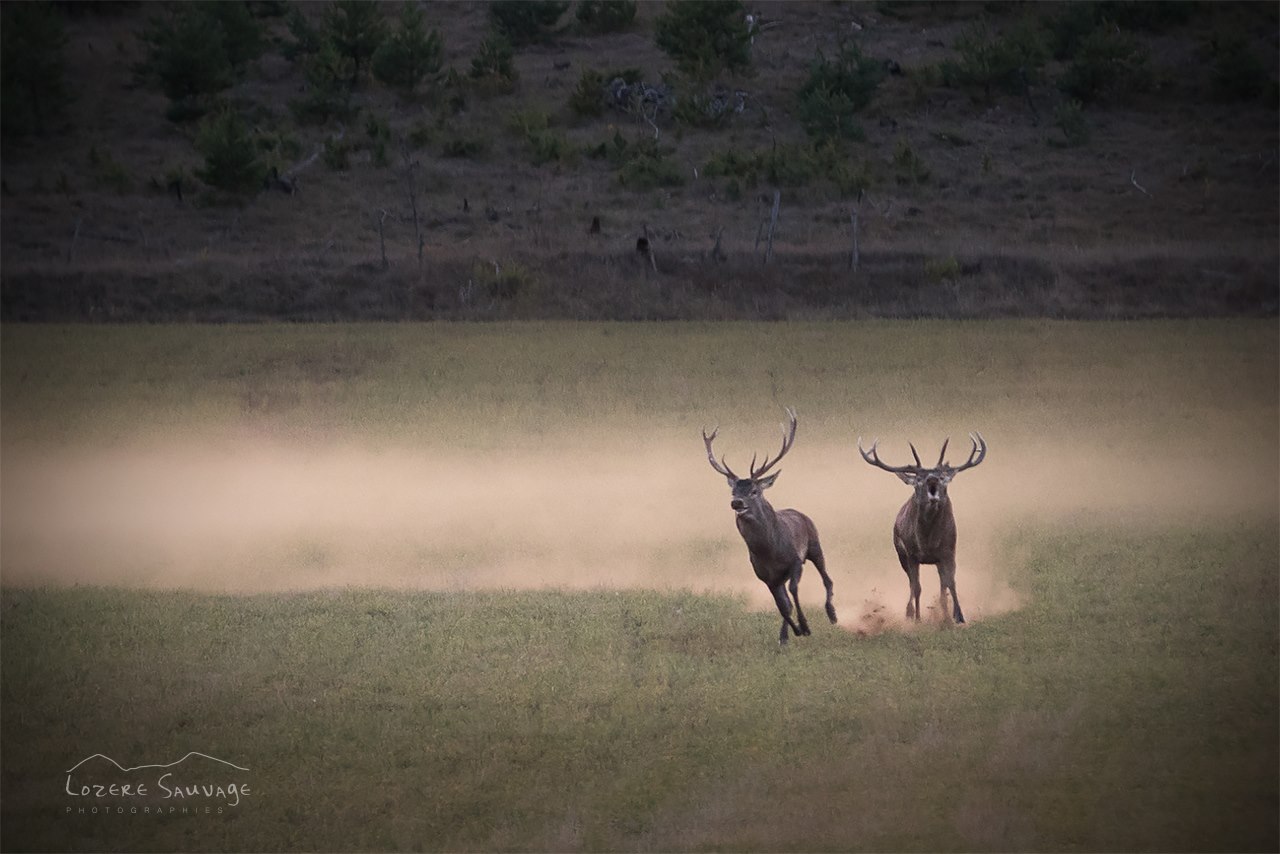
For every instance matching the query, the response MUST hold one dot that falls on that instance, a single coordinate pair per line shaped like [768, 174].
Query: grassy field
[475, 587]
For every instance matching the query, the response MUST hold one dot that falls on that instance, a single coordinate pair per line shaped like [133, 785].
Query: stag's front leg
[912, 568]
[947, 581]
[784, 608]
[794, 586]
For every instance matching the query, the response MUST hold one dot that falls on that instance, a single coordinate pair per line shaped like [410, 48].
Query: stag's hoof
[831, 613]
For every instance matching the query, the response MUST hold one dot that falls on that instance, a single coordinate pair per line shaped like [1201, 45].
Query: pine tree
[355, 29]
[33, 73]
[705, 36]
[409, 55]
[230, 155]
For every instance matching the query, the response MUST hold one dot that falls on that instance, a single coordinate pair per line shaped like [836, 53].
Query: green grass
[1131, 706]
[1128, 702]
[471, 385]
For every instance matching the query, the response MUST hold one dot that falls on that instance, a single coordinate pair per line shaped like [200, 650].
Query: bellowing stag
[778, 541]
[925, 530]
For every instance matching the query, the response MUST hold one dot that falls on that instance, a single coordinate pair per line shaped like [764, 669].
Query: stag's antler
[874, 458]
[788, 439]
[720, 465]
[979, 452]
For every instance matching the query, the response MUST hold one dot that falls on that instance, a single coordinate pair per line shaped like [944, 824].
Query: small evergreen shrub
[355, 29]
[525, 22]
[503, 281]
[1070, 27]
[614, 150]
[420, 135]
[378, 131]
[548, 146]
[645, 165]
[605, 16]
[1147, 16]
[410, 55]
[1006, 63]
[835, 90]
[337, 154]
[230, 155]
[909, 168]
[587, 98]
[108, 173]
[942, 269]
[705, 37]
[789, 166]
[328, 93]
[187, 58]
[701, 106]
[464, 147]
[304, 37]
[1070, 119]
[524, 122]
[493, 67]
[242, 37]
[1110, 63]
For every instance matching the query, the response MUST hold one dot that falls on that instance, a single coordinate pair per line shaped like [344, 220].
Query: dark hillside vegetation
[592, 160]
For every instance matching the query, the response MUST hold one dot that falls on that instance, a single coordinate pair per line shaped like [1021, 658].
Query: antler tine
[874, 458]
[919, 464]
[788, 439]
[720, 466]
[978, 454]
[943, 455]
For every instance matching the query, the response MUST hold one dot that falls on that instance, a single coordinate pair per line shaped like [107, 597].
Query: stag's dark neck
[927, 525]
[761, 530]
[931, 514]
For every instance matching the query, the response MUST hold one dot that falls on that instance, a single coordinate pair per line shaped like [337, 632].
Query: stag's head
[930, 484]
[748, 492]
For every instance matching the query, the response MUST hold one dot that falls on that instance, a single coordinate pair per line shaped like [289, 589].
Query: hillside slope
[967, 203]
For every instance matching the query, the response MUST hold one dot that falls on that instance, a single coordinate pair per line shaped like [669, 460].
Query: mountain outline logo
[139, 767]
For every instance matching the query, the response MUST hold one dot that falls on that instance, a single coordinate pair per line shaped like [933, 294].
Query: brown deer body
[778, 541]
[925, 528]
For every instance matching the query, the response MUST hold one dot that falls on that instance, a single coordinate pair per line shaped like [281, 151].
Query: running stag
[779, 541]
[925, 530]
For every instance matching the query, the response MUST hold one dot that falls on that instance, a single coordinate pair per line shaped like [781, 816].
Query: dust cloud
[262, 515]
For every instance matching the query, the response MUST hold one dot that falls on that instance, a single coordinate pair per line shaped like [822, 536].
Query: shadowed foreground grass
[1131, 705]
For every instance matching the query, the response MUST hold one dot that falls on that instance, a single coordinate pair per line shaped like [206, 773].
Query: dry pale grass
[531, 456]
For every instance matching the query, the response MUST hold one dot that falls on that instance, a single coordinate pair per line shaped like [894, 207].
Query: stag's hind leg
[815, 556]
[794, 585]
[784, 608]
[947, 581]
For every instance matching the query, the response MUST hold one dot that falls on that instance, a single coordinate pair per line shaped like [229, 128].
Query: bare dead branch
[1133, 179]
